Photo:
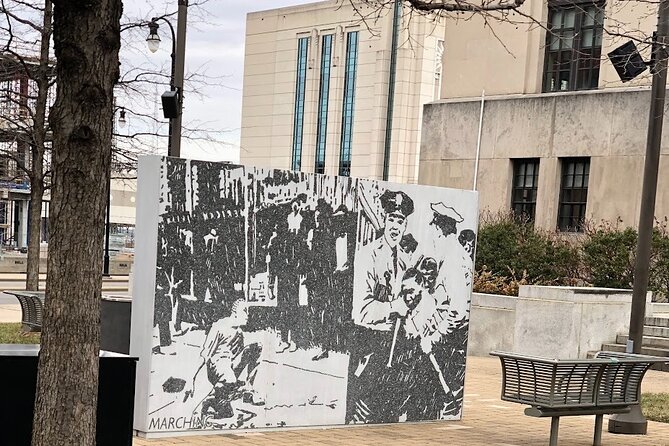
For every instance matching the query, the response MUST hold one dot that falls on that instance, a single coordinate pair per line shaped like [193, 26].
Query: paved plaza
[487, 421]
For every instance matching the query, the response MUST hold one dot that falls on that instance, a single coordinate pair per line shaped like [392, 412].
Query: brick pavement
[487, 421]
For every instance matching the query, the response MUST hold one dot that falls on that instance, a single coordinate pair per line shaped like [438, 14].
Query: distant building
[17, 97]
[562, 138]
[17, 93]
[316, 82]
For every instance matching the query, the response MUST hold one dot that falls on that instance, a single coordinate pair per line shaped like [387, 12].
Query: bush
[510, 247]
[511, 253]
[659, 266]
[608, 256]
[488, 283]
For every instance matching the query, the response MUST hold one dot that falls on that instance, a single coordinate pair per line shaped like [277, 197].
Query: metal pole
[172, 86]
[650, 174]
[478, 142]
[391, 89]
[178, 76]
[105, 265]
[634, 422]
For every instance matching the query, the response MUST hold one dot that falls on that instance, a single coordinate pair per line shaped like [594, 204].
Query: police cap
[446, 211]
[396, 203]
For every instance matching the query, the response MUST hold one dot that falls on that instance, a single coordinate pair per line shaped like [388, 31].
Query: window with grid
[573, 194]
[300, 86]
[573, 46]
[323, 100]
[524, 190]
[349, 101]
[3, 212]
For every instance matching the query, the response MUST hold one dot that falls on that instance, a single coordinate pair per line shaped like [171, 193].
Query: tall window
[524, 190]
[323, 99]
[573, 193]
[349, 100]
[573, 46]
[300, 86]
[438, 69]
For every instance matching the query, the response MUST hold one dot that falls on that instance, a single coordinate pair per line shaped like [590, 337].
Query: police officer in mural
[375, 386]
[449, 341]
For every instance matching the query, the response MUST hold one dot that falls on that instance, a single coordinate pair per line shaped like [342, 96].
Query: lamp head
[153, 39]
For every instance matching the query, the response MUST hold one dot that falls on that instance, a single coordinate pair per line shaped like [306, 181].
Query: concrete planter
[559, 322]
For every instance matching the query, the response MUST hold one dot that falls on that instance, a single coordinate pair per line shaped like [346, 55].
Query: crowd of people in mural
[396, 303]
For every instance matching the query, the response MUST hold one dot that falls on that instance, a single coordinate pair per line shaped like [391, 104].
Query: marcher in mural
[319, 278]
[467, 239]
[291, 272]
[226, 356]
[375, 382]
[429, 395]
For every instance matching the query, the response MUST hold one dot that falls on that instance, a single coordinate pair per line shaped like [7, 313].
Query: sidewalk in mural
[316, 393]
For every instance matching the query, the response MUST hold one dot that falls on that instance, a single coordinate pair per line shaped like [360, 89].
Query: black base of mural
[115, 406]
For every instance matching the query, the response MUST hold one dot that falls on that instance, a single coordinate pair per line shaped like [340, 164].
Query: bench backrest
[621, 381]
[542, 382]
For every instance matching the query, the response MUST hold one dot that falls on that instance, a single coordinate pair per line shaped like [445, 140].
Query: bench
[610, 383]
[32, 305]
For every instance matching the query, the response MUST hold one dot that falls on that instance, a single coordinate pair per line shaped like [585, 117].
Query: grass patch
[655, 406]
[12, 334]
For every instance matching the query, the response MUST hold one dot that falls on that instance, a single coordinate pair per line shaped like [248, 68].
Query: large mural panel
[281, 298]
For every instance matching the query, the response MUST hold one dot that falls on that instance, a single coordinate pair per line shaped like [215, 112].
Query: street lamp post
[173, 100]
[122, 121]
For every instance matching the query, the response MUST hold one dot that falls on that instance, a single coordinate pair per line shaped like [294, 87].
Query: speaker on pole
[170, 104]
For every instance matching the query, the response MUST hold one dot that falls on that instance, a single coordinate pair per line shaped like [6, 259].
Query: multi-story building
[17, 98]
[17, 105]
[316, 89]
[557, 135]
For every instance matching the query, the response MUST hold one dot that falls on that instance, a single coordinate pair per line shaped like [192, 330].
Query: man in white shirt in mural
[226, 356]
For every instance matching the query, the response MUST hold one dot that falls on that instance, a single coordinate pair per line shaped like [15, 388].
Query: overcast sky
[215, 47]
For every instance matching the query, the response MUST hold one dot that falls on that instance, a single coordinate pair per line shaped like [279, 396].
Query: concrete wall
[609, 126]
[123, 193]
[554, 322]
[270, 82]
[507, 57]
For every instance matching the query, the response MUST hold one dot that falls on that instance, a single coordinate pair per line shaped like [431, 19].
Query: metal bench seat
[610, 383]
[32, 307]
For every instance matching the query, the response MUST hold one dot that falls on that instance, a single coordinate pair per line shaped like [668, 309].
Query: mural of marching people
[291, 299]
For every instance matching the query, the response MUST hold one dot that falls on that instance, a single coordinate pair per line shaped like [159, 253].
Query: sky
[214, 48]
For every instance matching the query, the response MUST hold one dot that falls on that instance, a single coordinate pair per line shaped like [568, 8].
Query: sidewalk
[10, 313]
[487, 421]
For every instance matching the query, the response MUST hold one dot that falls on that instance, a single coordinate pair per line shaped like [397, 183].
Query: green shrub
[608, 256]
[510, 247]
[659, 267]
[511, 253]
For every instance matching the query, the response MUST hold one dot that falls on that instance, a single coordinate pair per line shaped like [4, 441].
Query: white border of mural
[267, 298]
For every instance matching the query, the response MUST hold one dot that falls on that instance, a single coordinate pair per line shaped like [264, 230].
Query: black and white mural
[289, 299]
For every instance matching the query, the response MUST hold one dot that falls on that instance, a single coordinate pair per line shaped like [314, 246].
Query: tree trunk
[36, 173]
[34, 228]
[86, 41]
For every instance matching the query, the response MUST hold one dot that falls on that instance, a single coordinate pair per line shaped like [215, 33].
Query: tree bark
[34, 225]
[37, 150]
[86, 41]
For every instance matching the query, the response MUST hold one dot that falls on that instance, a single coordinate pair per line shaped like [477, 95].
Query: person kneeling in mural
[226, 357]
[434, 390]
